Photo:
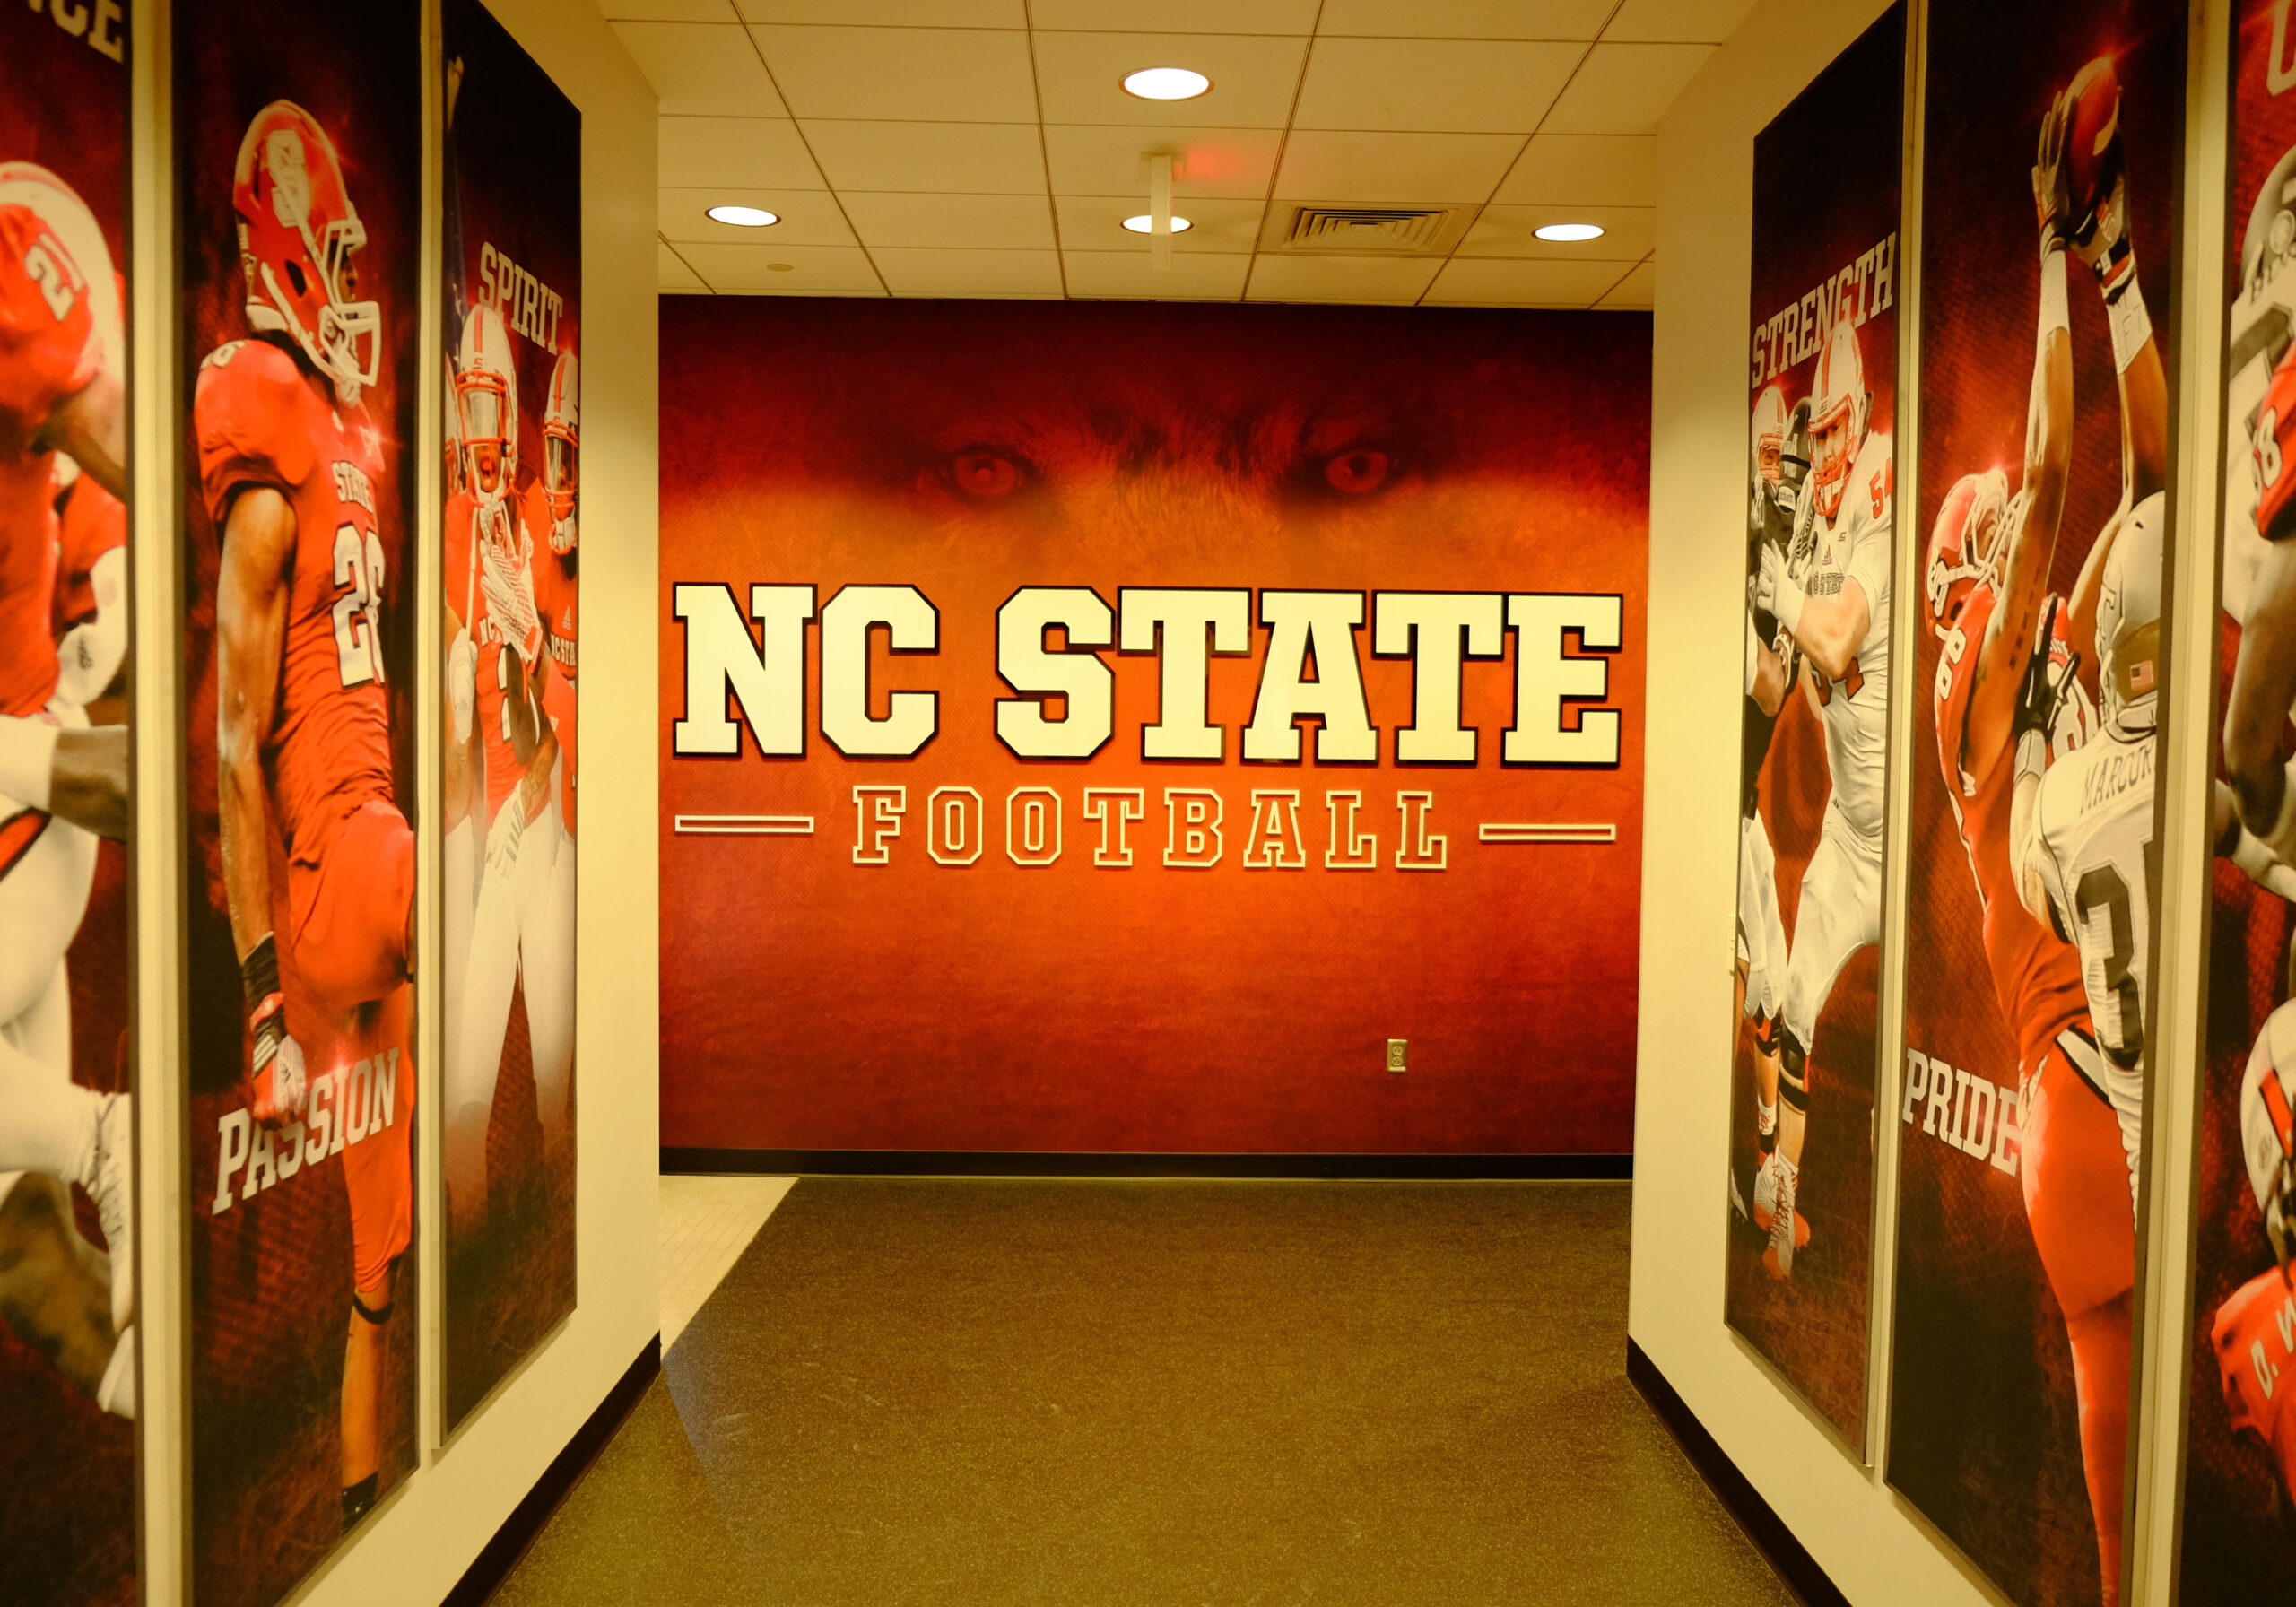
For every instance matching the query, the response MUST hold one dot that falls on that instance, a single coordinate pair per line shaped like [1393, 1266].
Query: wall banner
[513, 311]
[2049, 185]
[67, 1278]
[299, 149]
[2241, 1440]
[1820, 517]
[1107, 727]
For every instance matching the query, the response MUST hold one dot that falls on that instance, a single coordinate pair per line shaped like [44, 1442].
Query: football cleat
[1784, 1231]
[110, 1183]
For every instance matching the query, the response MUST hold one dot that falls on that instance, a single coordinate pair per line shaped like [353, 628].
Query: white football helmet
[562, 440]
[486, 393]
[2268, 1128]
[2128, 617]
[1838, 406]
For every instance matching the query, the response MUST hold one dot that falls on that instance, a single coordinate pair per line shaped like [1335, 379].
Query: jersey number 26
[359, 611]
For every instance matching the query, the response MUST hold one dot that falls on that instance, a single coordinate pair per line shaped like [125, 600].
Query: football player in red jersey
[504, 751]
[549, 966]
[2254, 1331]
[61, 352]
[2006, 690]
[287, 464]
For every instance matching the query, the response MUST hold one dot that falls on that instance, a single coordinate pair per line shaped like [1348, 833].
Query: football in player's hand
[2092, 154]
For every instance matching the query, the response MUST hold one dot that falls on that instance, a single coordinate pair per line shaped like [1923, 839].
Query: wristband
[267, 1005]
[28, 760]
[2131, 325]
[2055, 314]
[2033, 754]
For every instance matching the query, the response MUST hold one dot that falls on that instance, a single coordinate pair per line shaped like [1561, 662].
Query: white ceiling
[985, 147]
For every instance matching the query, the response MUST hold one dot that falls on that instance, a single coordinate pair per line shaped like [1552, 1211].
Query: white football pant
[1840, 913]
[47, 1121]
[1762, 935]
[547, 961]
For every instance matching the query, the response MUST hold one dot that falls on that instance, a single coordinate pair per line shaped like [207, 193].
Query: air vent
[1367, 230]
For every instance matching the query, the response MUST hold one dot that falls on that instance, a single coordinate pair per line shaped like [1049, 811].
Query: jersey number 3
[359, 611]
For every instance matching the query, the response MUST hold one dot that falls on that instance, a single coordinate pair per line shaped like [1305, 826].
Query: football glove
[462, 684]
[1777, 593]
[2052, 192]
[506, 575]
[275, 1083]
[2039, 696]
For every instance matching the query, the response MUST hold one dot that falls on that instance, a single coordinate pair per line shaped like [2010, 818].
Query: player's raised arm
[251, 594]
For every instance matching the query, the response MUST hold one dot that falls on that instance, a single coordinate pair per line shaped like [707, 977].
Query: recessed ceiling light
[1166, 83]
[744, 217]
[1144, 224]
[1569, 231]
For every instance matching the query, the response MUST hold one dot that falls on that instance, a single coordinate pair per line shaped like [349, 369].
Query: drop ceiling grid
[1545, 108]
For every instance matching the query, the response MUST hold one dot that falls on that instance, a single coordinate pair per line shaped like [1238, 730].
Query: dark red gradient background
[2238, 1546]
[1983, 1429]
[1826, 186]
[271, 1277]
[808, 1002]
[67, 1469]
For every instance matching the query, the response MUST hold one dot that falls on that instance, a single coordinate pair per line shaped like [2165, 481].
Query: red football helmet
[486, 393]
[1962, 545]
[298, 232]
[561, 457]
[1838, 403]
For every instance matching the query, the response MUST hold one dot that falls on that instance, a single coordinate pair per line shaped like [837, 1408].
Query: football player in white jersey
[1835, 606]
[62, 367]
[1779, 467]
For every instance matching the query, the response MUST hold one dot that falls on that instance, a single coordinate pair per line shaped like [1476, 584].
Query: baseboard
[1763, 1526]
[1037, 1163]
[496, 1558]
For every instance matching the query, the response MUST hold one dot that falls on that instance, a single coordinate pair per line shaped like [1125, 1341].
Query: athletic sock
[1766, 1125]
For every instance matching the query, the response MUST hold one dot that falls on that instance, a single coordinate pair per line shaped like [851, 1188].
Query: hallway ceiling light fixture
[1146, 224]
[1166, 83]
[744, 217]
[1569, 231]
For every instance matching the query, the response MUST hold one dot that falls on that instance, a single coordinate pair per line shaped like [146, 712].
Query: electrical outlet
[1395, 1048]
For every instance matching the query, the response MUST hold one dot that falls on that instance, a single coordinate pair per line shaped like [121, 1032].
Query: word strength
[1310, 670]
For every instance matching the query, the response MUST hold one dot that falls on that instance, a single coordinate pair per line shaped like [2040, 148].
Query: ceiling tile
[906, 219]
[1099, 161]
[1002, 159]
[670, 272]
[1459, 85]
[1607, 170]
[1340, 278]
[701, 69]
[668, 10]
[1398, 168]
[890, 13]
[751, 153]
[949, 74]
[1629, 233]
[1079, 78]
[1465, 18]
[808, 217]
[925, 272]
[1483, 282]
[746, 267]
[1638, 290]
[1178, 16]
[1625, 88]
[1096, 223]
[1127, 274]
[1695, 21]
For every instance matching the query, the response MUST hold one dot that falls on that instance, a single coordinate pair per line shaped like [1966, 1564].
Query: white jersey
[2091, 842]
[1855, 545]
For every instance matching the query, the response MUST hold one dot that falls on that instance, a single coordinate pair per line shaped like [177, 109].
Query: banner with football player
[68, 1270]
[513, 323]
[2241, 1438]
[298, 165]
[2049, 163]
[1821, 514]
[1100, 727]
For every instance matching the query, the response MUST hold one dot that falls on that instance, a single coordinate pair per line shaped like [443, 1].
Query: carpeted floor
[955, 1392]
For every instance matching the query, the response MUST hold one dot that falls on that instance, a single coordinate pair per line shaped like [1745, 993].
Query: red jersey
[261, 422]
[49, 347]
[90, 522]
[2254, 1336]
[2271, 440]
[2036, 974]
[559, 601]
[507, 528]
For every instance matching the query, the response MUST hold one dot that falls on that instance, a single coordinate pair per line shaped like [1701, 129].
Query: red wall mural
[1104, 728]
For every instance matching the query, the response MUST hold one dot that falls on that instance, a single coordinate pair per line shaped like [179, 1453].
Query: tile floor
[705, 1224]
